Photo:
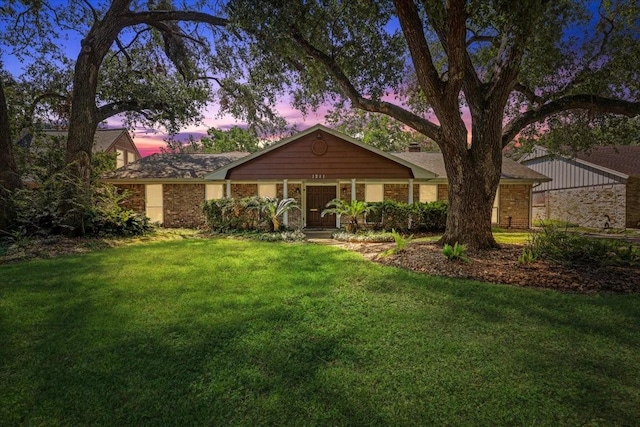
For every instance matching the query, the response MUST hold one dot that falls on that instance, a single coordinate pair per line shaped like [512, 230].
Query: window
[213, 191]
[494, 210]
[374, 193]
[428, 193]
[153, 202]
[120, 159]
[267, 190]
[131, 157]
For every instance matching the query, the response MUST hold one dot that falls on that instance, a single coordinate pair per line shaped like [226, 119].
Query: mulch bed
[501, 266]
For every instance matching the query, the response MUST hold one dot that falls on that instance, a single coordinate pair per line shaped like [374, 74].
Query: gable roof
[418, 171]
[173, 166]
[432, 160]
[104, 139]
[620, 160]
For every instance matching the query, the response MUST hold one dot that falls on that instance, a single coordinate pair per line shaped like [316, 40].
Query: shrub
[41, 210]
[431, 217]
[570, 248]
[232, 214]
[363, 236]
[426, 217]
[455, 252]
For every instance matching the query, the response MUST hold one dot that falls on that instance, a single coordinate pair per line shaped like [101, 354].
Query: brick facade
[183, 205]
[513, 202]
[587, 206]
[136, 198]
[397, 192]
[633, 203]
[345, 191]
[240, 191]
[443, 192]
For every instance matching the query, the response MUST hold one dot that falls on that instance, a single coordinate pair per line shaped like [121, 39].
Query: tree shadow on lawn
[359, 344]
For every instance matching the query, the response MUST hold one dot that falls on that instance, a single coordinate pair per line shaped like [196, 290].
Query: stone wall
[136, 199]
[633, 203]
[182, 205]
[589, 206]
[514, 203]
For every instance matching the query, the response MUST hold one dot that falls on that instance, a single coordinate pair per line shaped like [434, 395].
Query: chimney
[414, 147]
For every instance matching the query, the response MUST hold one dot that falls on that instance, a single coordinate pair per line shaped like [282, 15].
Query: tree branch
[148, 17]
[412, 120]
[426, 72]
[573, 102]
[115, 108]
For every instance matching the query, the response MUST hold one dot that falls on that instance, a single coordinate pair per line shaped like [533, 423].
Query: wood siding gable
[320, 153]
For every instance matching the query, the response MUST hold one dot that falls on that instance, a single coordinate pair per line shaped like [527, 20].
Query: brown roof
[433, 161]
[104, 138]
[620, 158]
[174, 166]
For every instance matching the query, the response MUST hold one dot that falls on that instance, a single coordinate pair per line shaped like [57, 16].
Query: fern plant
[455, 252]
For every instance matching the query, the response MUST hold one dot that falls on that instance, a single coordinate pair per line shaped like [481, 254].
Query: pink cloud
[150, 141]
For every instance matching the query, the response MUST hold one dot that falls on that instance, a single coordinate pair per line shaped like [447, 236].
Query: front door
[317, 198]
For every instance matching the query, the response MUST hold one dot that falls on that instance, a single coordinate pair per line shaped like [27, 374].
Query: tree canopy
[516, 66]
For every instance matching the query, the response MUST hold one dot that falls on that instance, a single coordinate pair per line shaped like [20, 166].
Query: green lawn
[224, 332]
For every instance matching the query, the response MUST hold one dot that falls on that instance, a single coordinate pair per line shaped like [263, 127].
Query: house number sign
[317, 176]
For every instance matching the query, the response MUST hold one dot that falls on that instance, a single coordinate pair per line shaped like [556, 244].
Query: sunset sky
[149, 141]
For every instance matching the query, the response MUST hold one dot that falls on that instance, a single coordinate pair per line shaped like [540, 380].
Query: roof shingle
[174, 166]
[620, 158]
[433, 161]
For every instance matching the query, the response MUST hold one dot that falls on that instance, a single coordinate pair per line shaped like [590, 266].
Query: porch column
[353, 189]
[410, 191]
[228, 189]
[410, 200]
[285, 192]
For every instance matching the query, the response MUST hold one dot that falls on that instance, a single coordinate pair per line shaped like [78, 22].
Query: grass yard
[226, 332]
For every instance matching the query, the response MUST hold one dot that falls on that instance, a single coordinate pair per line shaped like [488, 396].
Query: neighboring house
[599, 188]
[314, 167]
[117, 141]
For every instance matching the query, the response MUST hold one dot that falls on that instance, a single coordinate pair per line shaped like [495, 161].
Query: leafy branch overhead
[515, 66]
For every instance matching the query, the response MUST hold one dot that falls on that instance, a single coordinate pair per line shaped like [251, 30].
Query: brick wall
[240, 191]
[514, 202]
[633, 203]
[443, 192]
[136, 200]
[588, 206]
[294, 191]
[397, 192]
[182, 205]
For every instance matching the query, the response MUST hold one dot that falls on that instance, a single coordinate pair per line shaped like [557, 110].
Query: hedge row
[391, 215]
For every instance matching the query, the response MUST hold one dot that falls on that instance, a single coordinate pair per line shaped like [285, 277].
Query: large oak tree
[512, 64]
[150, 62]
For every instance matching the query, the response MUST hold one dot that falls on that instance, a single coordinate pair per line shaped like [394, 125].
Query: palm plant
[273, 209]
[352, 210]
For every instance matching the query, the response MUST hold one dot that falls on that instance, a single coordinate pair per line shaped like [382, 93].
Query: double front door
[317, 198]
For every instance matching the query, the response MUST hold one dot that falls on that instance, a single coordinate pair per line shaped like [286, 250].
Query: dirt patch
[501, 266]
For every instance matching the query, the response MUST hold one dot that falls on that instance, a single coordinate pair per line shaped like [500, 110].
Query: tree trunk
[473, 174]
[9, 177]
[84, 120]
